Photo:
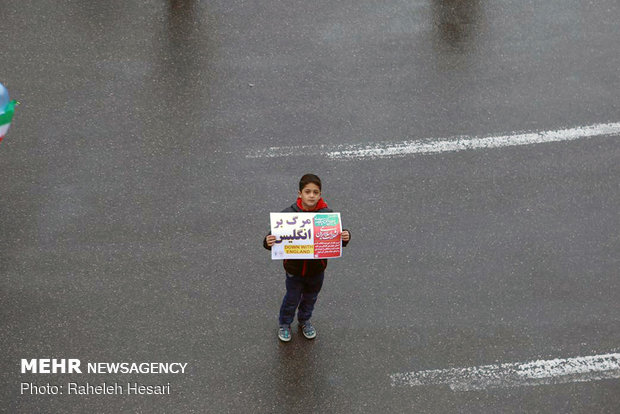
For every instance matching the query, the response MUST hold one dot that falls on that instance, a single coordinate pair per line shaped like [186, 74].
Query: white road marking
[430, 146]
[554, 371]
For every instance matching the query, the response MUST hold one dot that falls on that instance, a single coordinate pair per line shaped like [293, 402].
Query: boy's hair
[309, 179]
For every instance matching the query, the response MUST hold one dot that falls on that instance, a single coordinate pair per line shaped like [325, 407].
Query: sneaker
[307, 329]
[284, 333]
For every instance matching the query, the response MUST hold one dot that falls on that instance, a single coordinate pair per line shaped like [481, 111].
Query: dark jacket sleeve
[344, 243]
[265, 242]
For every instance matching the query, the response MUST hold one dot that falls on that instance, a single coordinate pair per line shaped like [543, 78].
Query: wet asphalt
[132, 217]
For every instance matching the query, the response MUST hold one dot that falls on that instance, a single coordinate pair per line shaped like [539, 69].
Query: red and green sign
[327, 236]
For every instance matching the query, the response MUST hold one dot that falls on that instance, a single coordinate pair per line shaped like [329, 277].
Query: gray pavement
[132, 220]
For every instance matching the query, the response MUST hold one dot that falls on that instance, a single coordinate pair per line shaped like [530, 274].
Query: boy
[304, 278]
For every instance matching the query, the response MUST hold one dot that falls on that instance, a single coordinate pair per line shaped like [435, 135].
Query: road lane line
[433, 146]
[541, 372]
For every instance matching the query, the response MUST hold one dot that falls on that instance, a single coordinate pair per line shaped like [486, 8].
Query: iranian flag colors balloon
[7, 108]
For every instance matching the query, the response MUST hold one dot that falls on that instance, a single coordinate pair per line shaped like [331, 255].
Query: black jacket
[304, 267]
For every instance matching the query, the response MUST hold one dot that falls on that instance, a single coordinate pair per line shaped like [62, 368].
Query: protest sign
[306, 235]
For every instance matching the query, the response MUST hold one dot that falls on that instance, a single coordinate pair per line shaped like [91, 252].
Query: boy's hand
[271, 240]
[346, 236]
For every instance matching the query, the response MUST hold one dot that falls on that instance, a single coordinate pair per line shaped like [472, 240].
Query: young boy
[304, 278]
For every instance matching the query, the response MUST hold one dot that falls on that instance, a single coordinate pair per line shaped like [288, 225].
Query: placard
[306, 235]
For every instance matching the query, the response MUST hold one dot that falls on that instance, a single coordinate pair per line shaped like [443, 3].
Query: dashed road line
[541, 372]
[434, 146]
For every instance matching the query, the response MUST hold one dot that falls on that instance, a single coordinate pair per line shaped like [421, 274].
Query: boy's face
[310, 195]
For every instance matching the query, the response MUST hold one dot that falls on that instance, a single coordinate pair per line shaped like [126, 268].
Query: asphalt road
[132, 215]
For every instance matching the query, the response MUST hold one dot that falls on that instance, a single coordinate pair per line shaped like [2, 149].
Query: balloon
[7, 109]
[4, 98]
